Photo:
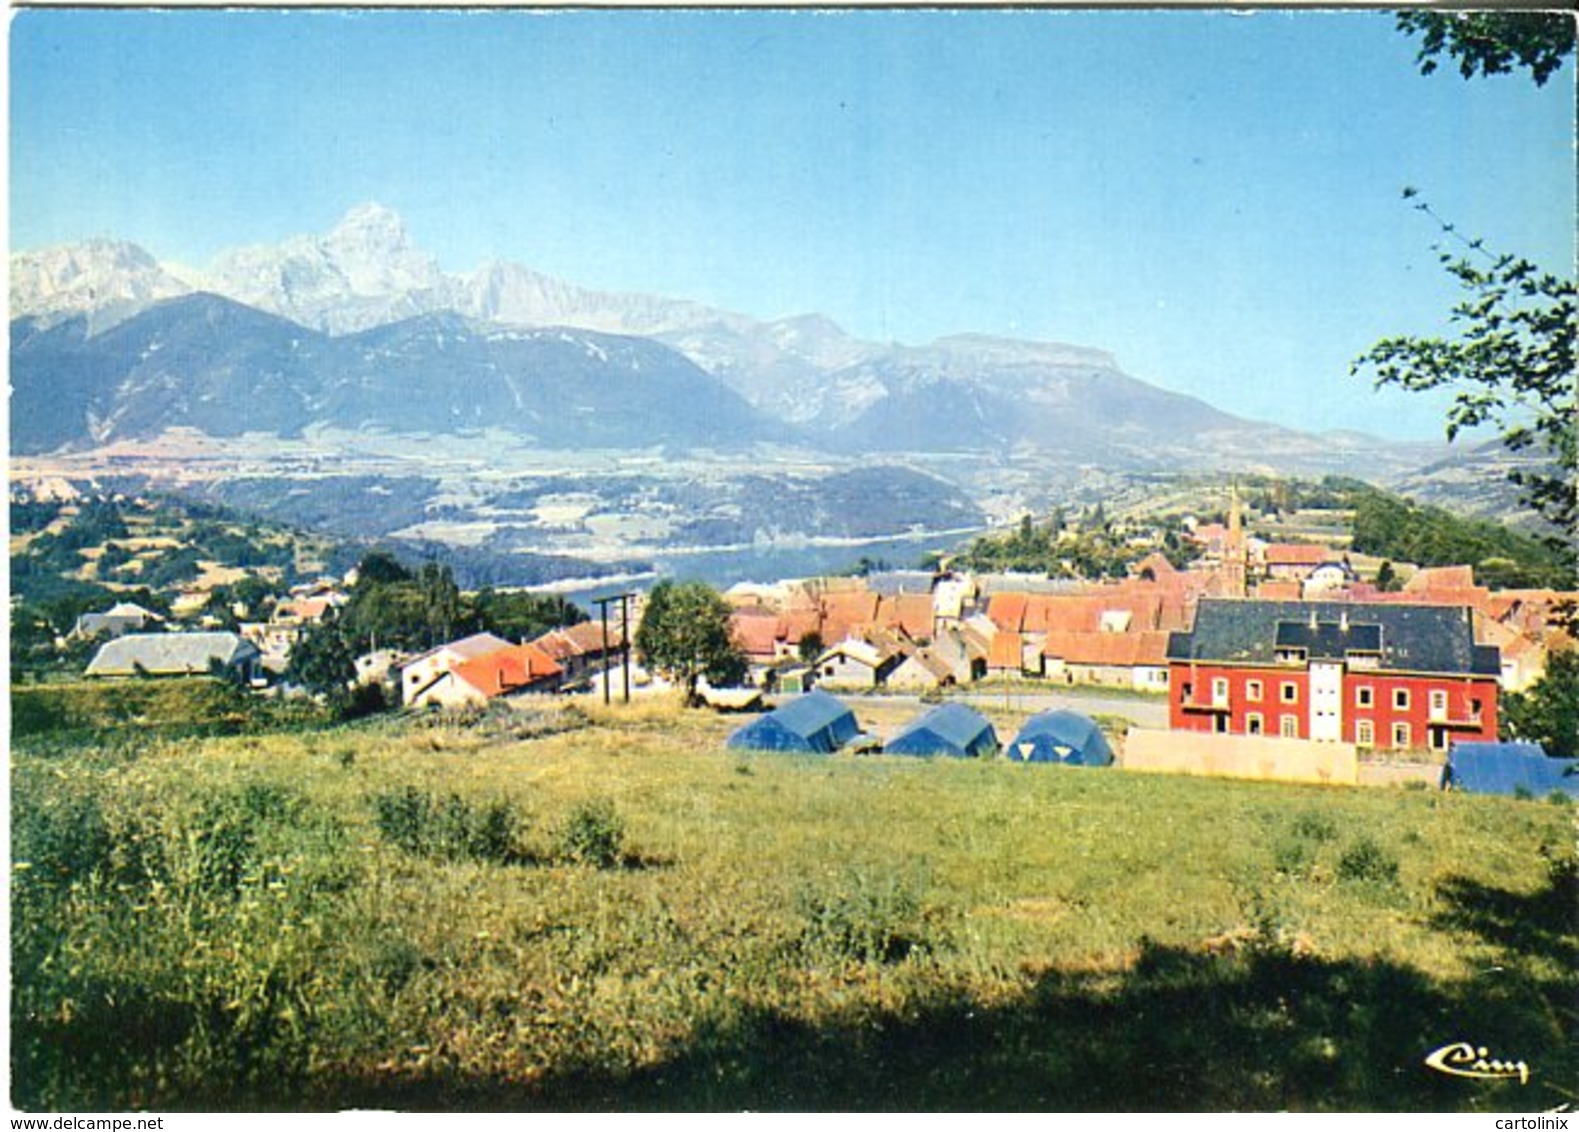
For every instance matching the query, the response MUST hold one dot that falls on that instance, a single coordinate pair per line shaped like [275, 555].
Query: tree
[1548, 713]
[1492, 43]
[1511, 360]
[324, 662]
[380, 568]
[811, 647]
[522, 616]
[1387, 578]
[684, 634]
[441, 598]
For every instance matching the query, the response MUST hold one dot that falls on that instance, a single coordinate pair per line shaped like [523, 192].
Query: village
[1257, 659]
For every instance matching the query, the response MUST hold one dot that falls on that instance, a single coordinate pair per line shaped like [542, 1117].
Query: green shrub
[1314, 826]
[403, 818]
[450, 828]
[1366, 862]
[872, 917]
[593, 835]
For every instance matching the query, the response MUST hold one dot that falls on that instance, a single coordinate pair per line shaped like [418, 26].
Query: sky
[1214, 198]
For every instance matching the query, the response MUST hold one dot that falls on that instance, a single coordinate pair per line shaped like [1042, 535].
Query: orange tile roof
[844, 613]
[910, 612]
[585, 638]
[1007, 611]
[1440, 577]
[507, 670]
[801, 623]
[302, 609]
[1296, 554]
[756, 632]
[1118, 650]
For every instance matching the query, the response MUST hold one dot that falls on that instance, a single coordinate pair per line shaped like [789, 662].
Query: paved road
[1148, 712]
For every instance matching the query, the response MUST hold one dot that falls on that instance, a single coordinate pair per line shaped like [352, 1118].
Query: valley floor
[601, 908]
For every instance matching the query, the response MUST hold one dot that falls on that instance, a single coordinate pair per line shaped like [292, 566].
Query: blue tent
[951, 729]
[815, 723]
[1502, 768]
[1061, 737]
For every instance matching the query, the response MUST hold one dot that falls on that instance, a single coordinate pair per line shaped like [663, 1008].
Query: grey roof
[167, 654]
[117, 619]
[989, 584]
[891, 582]
[1431, 639]
[467, 648]
[1329, 640]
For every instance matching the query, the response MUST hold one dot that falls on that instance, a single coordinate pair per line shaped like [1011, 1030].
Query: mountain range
[359, 329]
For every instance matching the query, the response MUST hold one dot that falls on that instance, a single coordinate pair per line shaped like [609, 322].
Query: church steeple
[1235, 553]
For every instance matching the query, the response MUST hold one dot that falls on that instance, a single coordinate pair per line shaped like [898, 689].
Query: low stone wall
[1266, 757]
[1400, 774]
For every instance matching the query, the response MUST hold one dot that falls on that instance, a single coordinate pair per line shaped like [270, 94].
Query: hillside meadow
[587, 907]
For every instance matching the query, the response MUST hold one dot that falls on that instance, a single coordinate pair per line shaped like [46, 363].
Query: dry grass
[776, 922]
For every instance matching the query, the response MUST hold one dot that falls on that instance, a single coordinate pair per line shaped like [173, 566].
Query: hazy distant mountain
[220, 367]
[364, 273]
[370, 314]
[970, 393]
[105, 281]
[1472, 478]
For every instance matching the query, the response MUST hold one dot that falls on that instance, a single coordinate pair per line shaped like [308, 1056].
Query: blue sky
[1215, 198]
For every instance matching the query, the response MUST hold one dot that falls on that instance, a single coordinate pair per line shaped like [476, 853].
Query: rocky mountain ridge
[801, 379]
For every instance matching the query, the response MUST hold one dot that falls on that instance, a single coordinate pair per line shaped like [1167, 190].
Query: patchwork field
[601, 908]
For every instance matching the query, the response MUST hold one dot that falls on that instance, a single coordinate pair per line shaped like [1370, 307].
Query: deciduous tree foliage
[1548, 713]
[324, 662]
[684, 634]
[1492, 43]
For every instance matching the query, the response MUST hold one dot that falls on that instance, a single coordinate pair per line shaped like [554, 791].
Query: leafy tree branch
[1510, 361]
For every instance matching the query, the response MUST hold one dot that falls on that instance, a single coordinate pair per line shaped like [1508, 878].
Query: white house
[417, 673]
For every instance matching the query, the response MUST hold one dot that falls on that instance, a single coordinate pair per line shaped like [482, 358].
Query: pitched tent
[1061, 737]
[950, 729]
[815, 723]
[1503, 768]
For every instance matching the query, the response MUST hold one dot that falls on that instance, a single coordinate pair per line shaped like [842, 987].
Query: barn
[951, 729]
[1061, 737]
[815, 723]
[1508, 768]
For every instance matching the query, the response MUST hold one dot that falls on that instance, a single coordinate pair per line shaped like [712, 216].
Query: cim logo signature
[1461, 1059]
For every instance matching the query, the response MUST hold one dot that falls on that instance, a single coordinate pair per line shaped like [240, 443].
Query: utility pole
[625, 642]
[603, 604]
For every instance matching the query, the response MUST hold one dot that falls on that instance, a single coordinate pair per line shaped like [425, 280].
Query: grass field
[601, 908]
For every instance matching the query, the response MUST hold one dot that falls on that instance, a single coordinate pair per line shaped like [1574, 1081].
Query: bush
[1314, 826]
[62, 839]
[450, 828]
[1293, 857]
[1366, 862]
[871, 918]
[593, 835]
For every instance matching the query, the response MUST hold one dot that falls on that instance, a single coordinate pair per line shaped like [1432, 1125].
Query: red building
[1394, 677]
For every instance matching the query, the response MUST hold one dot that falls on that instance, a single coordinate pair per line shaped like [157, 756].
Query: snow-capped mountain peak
[106, 280]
